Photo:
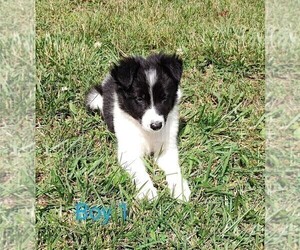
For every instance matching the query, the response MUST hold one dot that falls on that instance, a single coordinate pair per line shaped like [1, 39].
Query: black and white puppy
[138, 101]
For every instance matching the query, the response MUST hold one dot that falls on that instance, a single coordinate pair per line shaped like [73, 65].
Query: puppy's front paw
[179, 189]
[147, 191]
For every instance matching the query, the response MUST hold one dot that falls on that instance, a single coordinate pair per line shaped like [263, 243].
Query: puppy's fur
[138, 101]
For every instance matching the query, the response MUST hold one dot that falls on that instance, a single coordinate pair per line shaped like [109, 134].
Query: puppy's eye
[164, 98]
[139, 99]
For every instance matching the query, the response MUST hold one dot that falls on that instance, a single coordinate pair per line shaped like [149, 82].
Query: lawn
[221, 138]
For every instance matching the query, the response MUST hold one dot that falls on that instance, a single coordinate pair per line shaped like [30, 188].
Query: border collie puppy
[138, 101]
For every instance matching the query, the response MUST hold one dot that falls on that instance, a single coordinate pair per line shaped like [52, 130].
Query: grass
[221, 139]
[282, 125]
[17, 185]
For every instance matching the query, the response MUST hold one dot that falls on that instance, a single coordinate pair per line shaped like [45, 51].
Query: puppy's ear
[172, 64]
[125, 71]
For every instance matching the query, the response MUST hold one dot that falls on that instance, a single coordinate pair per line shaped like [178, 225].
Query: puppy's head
[147, 89]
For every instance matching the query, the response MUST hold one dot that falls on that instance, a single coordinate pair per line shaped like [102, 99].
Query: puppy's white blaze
[151, 76]
[94, 100]
[151, 116]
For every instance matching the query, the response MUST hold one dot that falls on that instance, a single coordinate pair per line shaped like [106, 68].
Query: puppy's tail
[94, 99]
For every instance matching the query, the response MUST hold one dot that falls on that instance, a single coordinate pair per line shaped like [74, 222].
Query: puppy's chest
[137, 139]
[153, 143]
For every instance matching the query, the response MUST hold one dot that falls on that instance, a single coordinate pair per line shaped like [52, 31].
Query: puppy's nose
[156, 125]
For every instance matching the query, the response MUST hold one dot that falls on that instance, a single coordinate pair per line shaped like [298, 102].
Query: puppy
[139, 103]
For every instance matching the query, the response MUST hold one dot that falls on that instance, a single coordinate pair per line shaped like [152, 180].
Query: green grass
[282, 125]
[221, 143]
[17, 123]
